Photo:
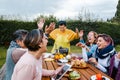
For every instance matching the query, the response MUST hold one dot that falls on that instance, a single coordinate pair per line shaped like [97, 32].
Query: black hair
[62, 23]
[19, 34]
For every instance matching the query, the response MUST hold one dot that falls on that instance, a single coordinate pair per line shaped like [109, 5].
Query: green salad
[74, 75]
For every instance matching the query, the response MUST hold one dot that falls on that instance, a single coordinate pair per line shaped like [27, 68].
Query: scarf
[13, 44]
[9, 61]
[103, 53]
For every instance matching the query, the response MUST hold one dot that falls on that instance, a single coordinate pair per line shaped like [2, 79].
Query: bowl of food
[74, 75]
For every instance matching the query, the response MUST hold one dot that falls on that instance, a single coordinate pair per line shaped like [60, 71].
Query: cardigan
[112, 69]
[9, 61]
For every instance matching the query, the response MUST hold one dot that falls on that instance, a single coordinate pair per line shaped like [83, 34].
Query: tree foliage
[116, 18]
[117, 14]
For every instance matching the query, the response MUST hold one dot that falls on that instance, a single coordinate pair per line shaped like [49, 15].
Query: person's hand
[40, 23]
[79, 44]
[81, 33]
[93, 60]
[50, 28]
[118, 55]
[58, 70]
[76, 30]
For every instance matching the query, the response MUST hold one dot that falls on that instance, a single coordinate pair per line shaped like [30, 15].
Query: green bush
[9, 26]
[100, 27]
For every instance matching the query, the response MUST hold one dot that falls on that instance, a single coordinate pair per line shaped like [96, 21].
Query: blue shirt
[92, 49]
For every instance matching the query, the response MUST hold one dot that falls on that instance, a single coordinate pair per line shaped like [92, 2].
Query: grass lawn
[2, 55]
[74, 49]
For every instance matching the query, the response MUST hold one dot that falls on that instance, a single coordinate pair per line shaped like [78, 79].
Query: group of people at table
[24, 55]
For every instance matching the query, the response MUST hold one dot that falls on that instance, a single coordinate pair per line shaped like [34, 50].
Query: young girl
[114, 69]
[29, 67]
[104, 52]
[90, 45]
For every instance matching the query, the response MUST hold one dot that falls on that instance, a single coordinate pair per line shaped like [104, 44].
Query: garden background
[7, 27]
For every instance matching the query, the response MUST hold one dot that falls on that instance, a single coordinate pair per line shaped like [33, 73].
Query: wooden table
[85, 73]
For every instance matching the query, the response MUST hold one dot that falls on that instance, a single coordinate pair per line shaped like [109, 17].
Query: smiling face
[91, 37]
[34, 39]
[43, 44]
[62, 28]
[101, 43]
[103, 40]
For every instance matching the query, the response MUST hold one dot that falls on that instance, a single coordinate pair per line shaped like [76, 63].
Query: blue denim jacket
[92, 49]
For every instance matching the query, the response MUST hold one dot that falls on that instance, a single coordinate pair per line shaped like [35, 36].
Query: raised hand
[49, 28]
[76, 30]
[40, 23]
[81, 33]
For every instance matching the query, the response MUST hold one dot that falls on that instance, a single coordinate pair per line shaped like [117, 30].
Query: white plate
[47, 55]
[63, 60]
[94, 77]
[60, 63]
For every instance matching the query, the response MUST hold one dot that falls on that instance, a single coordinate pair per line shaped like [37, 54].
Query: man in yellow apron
[63, 36]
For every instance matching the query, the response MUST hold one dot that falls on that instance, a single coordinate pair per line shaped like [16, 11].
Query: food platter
[48, 59]
[79, 63]
[78, 66]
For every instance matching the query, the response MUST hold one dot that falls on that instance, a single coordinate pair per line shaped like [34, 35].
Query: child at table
[104, 52]
[29, 67]
[114, 69]
[90, 46]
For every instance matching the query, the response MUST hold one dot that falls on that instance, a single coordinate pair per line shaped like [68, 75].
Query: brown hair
[33, 39]
[95, 36]
[107, 38]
